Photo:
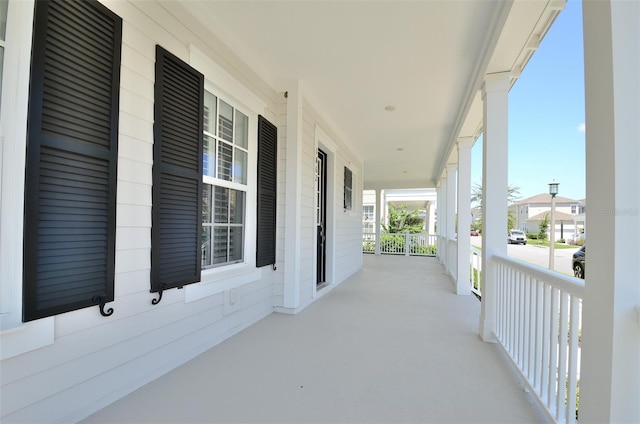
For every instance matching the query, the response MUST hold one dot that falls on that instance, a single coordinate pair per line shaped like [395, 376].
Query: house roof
[544, 198]
[560, 216]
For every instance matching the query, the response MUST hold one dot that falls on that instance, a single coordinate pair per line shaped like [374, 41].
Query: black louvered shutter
[177, 173]
[348, 188]
[267, 183]
[70, 186]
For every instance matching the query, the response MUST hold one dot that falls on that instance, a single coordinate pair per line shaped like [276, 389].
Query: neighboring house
[569, 215]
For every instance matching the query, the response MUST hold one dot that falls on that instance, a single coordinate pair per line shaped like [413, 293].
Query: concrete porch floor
[393, 343]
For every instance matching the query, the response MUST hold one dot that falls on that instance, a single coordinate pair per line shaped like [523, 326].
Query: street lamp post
[553, 190]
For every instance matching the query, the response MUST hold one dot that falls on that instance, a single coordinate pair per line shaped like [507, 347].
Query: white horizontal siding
[95, 360]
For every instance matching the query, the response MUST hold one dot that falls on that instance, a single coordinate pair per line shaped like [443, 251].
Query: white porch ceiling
[353, 58]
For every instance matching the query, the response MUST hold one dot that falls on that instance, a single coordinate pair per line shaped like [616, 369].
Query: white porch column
[495, 93]
[432, 217]
[463, 283]
[378, 217]
[442, 221]
[451, 213]
[610, 373]
[293, 195]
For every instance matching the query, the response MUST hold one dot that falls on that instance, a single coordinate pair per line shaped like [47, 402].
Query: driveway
[538, 255]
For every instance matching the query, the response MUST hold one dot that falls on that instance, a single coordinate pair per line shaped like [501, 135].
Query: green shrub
[561, 241]
[580, 242]
[368, 246]
[392, 243]
[423, 250]
[532, 236]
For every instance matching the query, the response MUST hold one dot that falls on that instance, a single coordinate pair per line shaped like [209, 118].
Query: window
[367, 213]
[225, 160]
[368, 219]
[574, 209]
[348, 188]
[70, 185]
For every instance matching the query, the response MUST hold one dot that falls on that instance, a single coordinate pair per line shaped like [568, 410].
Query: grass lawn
[546, 243]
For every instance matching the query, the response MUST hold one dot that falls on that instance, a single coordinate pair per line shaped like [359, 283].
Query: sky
[546, 115]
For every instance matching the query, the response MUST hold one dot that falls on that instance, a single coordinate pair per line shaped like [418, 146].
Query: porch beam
[495, 94]
[610, 383]
[463, 281]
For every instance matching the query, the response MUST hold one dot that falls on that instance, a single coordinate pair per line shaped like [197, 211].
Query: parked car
[577, 262]
[517, 237]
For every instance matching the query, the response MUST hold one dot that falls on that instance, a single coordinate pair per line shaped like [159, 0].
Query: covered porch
[393, 343]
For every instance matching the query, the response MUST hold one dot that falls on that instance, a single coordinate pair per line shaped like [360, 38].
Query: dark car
[578, 262]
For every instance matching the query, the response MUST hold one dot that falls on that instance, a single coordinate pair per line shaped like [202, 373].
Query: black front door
[321, 217]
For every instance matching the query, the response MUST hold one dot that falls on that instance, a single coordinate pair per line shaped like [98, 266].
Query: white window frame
[231, 184]
[223, 85]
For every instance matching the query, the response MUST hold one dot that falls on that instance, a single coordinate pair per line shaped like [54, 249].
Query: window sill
[219, 280]
[26, 337]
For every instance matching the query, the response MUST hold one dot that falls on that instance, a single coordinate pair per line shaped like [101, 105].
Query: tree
[543, 227]
[511, 220]
[402, 221]
[513, 194]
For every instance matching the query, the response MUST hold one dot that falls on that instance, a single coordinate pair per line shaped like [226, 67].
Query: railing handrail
[567, 284]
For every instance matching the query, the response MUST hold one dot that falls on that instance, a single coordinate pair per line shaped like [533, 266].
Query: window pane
[209, 118]
[221, 204]
[242, 129]
[206, 203]
[225, 153]
[236, 214]
[240, 166]
[209, 156]
[225, 122]
[206, 246]
[235, 244]
[220, 240]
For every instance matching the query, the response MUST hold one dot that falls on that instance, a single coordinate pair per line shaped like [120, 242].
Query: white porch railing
[422, 244]
[476, 271]
[368, 242]
[538, 324]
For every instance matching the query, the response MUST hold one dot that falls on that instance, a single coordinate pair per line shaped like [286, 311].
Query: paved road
[538, 255]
